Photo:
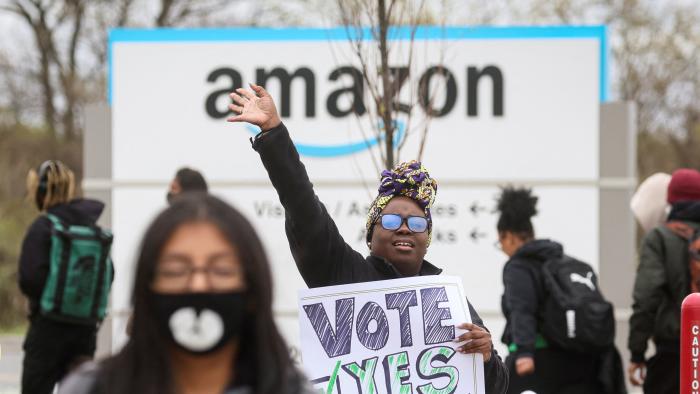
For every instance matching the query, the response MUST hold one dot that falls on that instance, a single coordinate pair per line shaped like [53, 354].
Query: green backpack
[80, 273]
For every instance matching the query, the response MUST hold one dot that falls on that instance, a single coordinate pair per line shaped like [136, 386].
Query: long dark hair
[516, 206]
[142, 366]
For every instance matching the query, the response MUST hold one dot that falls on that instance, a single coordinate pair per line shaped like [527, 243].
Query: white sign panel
[503, 103]
[392, 336]
[510, 105]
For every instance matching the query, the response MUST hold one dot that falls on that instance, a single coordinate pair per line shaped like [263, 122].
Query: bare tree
[57, 73]
[655, 48]
[12, 111]
[34, 13]
[70, 47]
[659, 64]
[383, 79]
[179, 12]
[45, 81]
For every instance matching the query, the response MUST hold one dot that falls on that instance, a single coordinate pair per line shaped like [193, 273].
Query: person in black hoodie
[186, 180]
[534, 364]
[51, 348]
[398, 226]
[664, 278]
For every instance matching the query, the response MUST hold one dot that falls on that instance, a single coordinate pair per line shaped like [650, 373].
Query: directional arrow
[476, 235]
[475, 208]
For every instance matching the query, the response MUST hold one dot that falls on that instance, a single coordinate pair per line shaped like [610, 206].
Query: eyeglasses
[392, 222]
[178, 276]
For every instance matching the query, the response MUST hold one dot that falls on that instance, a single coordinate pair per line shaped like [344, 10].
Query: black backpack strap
[56, 221]
[106, 243]
[62, 269]
[537, 275]
[541, 265]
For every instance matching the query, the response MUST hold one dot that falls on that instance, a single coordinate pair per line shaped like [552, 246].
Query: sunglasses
[392, 222]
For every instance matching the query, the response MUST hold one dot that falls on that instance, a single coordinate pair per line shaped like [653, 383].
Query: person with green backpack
[65, 272]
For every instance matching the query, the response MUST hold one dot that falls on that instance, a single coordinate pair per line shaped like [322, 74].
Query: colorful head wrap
[409, 179]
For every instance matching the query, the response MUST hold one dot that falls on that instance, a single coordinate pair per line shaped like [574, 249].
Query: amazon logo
[347, 99]
[341, 149]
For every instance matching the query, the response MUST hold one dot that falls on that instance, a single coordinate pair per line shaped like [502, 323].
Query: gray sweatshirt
[83, 379]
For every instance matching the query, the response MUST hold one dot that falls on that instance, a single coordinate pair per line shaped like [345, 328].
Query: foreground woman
[202, 312]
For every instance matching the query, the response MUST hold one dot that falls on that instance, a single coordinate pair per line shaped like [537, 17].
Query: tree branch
[163, 18]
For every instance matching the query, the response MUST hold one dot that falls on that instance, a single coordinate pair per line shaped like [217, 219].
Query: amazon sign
[484, 93]
[487, 106]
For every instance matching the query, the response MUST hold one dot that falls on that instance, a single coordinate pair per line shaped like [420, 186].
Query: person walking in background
[398, 226]
[538, 360]
[186, 180]
[669, 269]
[56, 340]
[649, 203]
[203, 318]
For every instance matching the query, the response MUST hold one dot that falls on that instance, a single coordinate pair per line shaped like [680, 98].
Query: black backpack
[575, 315]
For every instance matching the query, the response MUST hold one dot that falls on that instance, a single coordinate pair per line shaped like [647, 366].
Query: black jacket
[661, 284]
[523, 290]
[321, 254]
[34, 258]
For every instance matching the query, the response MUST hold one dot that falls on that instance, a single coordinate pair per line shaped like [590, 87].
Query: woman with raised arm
[398, 225]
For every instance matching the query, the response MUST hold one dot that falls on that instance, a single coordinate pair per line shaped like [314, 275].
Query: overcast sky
[17, 41]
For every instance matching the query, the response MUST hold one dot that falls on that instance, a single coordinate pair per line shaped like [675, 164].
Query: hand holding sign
[257, 108]
[479, 340]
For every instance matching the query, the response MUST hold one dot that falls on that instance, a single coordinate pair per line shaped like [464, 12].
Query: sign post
[690, 344]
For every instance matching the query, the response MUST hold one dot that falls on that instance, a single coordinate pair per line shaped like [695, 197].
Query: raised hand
[256, 108]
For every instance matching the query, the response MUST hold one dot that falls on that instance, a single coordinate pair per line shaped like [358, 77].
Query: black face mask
[169, 198]
[201, 323]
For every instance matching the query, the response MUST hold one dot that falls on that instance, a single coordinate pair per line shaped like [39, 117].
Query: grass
[19, 329]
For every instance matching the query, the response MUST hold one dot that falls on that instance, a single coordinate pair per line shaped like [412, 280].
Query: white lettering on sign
[694, 350]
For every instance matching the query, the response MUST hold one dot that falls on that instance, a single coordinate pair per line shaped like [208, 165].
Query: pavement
[10, 363]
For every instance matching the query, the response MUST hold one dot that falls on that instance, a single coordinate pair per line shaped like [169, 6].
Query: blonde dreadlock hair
[51, 184]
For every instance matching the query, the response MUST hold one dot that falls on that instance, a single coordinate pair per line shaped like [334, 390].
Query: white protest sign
[391, 336]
